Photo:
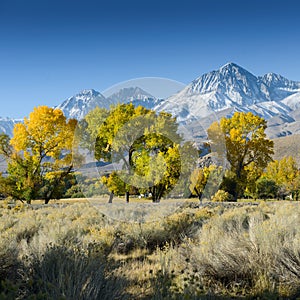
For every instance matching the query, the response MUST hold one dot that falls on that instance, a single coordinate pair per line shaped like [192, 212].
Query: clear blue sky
[50, 50]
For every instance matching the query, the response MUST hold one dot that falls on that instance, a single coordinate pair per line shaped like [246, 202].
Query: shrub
[71, 273]
[246, 251]
[222, 196]
[266, 188]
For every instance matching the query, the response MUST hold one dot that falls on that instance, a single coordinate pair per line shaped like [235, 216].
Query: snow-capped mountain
[79, 105]
[136, 96]
[130, 94]
[231, 85]
[234, 88]
[230, 89]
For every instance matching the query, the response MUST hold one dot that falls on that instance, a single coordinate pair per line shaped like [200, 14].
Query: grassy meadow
[71, 250]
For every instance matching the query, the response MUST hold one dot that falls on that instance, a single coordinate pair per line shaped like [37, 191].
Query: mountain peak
[130, 94]
[231, 80]
[273, 77]
[83, 102]
[231, 65]
[234, 69]
[279, 86]
[88, 92]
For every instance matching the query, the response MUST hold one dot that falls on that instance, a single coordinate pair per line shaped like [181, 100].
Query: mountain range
[217, 93]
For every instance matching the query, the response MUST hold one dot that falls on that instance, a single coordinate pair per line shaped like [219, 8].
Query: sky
[51, 50]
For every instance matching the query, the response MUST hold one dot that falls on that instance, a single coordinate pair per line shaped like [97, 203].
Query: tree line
[155, 159]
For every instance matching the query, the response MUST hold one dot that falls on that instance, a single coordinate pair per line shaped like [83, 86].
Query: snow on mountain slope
[188, 107]
[230, 84]
[267, 109]
[79, 105]
[136, 96]
[292, 101]
[130, 94]
[233, 87]
[278, 86]
[7, 125]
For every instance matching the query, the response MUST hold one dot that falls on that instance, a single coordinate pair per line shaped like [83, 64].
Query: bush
[266, 188]
[71, 273]
[222, 196]
[246, 251]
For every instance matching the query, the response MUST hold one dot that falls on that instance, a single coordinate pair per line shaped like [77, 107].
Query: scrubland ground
[217, 251]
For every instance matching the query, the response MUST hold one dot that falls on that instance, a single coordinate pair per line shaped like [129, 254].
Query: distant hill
[287, 146]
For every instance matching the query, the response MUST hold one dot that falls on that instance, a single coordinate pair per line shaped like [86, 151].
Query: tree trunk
[111, 196]
[199, 194]
[154, 194]
[127, 196]
[235, 195]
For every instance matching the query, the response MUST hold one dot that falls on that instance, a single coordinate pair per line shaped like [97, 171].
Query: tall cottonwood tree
[41, 153]
[246, 143]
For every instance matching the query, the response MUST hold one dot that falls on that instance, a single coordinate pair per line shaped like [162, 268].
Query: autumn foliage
[40, 155]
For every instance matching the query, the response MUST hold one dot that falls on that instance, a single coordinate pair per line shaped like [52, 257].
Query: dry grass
[219, 250]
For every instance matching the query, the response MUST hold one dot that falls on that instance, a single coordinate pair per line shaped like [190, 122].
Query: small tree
[198, 182]
[205, 182]
[221, 196]
[114, 184]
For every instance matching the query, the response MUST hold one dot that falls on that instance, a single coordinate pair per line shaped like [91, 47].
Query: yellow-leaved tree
[286, 175]
[41, 154]
[246, 143]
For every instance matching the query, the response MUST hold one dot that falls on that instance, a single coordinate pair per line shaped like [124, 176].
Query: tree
[148, 147]
[246, 143]
[113, 142]
[286, 175]
[41, 154]
[114, 183]
[160, 172]
[205, 182]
